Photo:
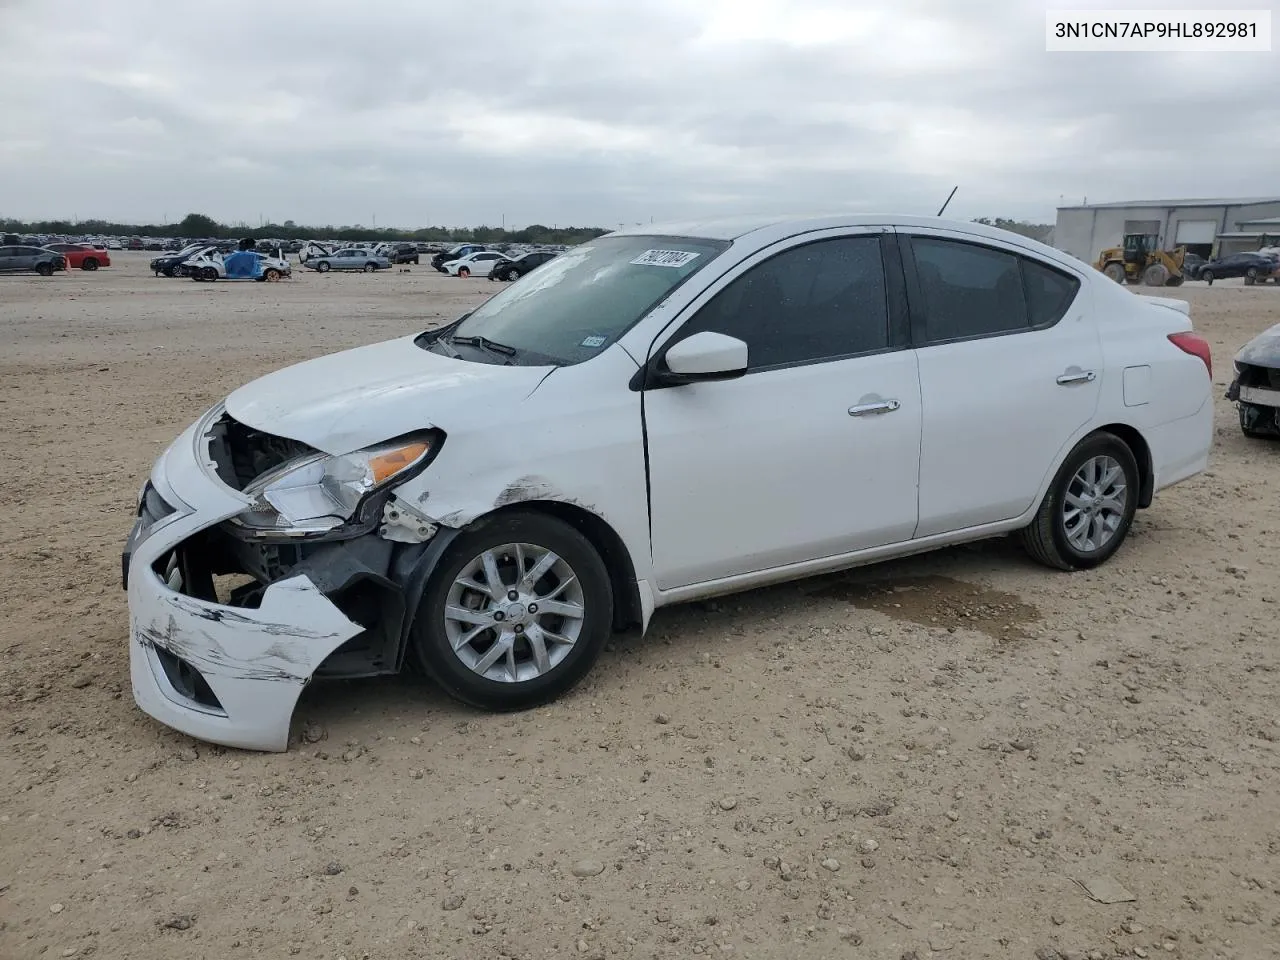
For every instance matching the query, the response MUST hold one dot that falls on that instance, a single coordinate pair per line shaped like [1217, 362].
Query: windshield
[577, 304]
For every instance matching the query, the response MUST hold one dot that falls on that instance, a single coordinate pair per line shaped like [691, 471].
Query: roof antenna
[949, 196]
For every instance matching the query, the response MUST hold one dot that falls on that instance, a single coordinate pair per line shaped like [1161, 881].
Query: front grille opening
[219, 568]
[187, 680]
[241, 454]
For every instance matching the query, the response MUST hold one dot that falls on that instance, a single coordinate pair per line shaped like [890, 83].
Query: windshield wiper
[486, 343]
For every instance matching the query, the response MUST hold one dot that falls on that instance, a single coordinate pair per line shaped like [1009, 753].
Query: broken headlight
[317, 493]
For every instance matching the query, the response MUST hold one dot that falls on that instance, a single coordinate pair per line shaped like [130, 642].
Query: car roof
[732, 228]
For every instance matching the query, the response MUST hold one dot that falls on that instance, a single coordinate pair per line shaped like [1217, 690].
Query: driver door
[815, 451]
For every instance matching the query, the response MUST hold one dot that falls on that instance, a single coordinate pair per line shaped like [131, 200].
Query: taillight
[1195, 345]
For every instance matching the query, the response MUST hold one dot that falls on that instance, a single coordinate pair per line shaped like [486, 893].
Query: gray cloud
[586, 111]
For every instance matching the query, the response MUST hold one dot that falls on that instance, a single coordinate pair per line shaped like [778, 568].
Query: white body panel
[710, 487]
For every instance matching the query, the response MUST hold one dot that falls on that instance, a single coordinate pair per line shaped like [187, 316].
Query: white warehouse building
[1206, 227]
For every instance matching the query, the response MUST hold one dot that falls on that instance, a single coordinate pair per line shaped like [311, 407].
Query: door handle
[879, 406]
[1079, 376]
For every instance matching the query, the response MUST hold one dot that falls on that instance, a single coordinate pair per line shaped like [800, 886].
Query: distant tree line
[1036, 231]
[197, 226]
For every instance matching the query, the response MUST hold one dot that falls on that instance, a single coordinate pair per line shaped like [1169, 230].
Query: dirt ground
[929, 757]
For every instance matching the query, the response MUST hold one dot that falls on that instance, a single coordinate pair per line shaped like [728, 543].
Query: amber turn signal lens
[386, 465]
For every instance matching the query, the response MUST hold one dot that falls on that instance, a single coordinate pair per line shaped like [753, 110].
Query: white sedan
[658, 415]
[475, 264]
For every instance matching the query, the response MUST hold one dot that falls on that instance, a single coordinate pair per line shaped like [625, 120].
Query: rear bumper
[1180, 448]
[229, 675]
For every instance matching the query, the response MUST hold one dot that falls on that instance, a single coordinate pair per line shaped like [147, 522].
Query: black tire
[89, 263]
[171, 271]
[1207, 276]
[1045, 538]
[370, 267]
[209, 273]
[322, 266]
[463, 272]
[434, 652]
[1251, 276]
[44, 269]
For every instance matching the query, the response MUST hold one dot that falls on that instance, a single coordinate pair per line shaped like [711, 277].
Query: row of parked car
[23, 258]
[202, 261]
[1256, 266]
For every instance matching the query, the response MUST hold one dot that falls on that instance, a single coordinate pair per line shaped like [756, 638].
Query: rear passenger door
[1010, 370]
[8, 257]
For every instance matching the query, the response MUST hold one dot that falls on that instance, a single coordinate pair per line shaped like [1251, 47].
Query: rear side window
[1049, 292]
[969, 290]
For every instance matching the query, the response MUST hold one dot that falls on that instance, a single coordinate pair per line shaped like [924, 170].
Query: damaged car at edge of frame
[1256, 386]
[658, 415]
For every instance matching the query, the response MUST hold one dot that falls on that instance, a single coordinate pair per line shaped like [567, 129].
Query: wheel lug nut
[499, 615]
[512, 595]
[519, 628]
[533, 608]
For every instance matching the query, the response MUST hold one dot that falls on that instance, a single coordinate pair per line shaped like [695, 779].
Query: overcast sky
[606, 111]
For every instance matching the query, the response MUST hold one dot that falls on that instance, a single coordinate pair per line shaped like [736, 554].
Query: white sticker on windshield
[593, 342]
[665, 258]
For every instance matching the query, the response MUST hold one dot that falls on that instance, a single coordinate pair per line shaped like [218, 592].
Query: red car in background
[81, 256]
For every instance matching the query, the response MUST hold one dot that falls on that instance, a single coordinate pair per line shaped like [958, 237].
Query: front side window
[584, 300]
[817, 301]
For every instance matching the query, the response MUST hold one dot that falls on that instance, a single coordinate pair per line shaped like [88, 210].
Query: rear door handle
[878, 406]
[1077, 376]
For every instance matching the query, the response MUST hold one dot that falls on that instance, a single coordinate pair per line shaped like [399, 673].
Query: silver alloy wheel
[514, 612]
[1094, 506]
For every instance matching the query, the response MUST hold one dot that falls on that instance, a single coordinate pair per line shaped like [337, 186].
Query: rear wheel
[1115, 271]
[515, 614]
[1251, 276]
[1207, 276]
[323, 266]
[1089, 508]
[45, 269]
[208, 273]
[271, 273]
[370, 267]
[89, 263]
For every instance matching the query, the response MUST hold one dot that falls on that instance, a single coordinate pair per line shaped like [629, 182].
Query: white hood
[360, 397]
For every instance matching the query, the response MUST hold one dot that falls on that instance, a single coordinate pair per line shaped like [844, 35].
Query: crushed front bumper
[226, 674]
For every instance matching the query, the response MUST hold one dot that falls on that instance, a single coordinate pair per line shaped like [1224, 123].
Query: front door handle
[879, 406]
[1077, 376]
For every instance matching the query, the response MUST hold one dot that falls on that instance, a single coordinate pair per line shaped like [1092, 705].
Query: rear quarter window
[1050, 292]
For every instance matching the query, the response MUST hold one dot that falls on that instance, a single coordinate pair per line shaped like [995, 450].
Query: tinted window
[1049, 292]
[813, 302]
[969, 290]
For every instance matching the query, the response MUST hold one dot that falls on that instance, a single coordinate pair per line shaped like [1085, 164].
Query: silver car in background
[350, 258]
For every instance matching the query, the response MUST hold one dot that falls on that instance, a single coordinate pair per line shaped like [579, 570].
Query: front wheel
[1251, 276]
[1207, 276]
[515, 614]
[1114, 271]
[1089, 508]
[89, 263]
[323, 266]
[370, 267]
[45, 269]
[271, 273]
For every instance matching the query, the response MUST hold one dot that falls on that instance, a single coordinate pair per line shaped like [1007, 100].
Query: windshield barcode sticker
[665, 258]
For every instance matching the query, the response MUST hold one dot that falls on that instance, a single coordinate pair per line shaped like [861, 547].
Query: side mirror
[703, 356]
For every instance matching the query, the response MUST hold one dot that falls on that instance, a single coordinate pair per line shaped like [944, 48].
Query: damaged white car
[658, 415]
[1256, 385]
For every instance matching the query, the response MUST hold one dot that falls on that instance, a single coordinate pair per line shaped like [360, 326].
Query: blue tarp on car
[243, 265]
